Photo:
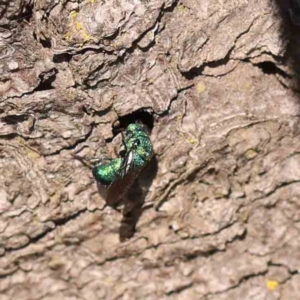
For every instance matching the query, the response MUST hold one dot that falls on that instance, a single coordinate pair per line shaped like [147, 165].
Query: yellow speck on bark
[79, 27]
[244, 217]
[73, 15]
[67, 36]
[179, 118]
[182, 9]
[272, 284]
[250, 154]
[200, 87]
[191, 140]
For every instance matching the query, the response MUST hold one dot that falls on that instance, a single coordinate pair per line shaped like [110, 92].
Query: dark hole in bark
[14, 119]
[269, 67]
[140, 116]
[46, 81]
[63, 57]
[46, 43]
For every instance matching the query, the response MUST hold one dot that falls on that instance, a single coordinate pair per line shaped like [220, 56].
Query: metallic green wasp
[118, 174]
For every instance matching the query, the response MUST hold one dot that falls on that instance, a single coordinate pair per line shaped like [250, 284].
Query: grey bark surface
[215, 215]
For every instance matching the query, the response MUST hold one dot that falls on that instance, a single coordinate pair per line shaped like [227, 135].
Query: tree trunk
[215, 215]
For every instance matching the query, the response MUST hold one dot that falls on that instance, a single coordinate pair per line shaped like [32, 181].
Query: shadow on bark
[290, 15]
[135, 199]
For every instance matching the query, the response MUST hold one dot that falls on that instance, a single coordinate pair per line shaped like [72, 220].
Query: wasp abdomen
[108, 172]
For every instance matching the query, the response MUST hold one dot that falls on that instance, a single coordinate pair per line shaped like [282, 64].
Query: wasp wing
[119, 187]
[117, 190]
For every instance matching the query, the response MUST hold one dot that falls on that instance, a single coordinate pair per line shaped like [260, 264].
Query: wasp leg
[86, 163]
[123, 142]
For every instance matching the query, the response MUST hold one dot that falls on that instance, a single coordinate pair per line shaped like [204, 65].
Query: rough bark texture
[216, 214]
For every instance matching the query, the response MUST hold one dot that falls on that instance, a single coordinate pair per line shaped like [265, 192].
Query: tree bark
[215, 215]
